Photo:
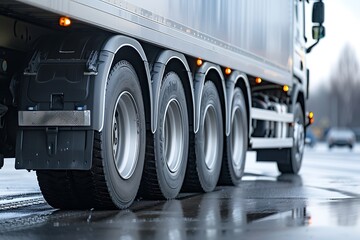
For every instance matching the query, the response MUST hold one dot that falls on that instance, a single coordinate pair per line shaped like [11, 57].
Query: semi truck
[114, 100]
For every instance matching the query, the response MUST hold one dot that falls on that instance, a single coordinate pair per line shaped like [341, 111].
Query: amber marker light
[285, 88]
[311, 117]
[258, 80]
[64, 21]
[199, 62]
[228, 71]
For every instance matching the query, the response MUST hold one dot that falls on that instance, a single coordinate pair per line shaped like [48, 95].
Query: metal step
[270, 115]
[259, 143]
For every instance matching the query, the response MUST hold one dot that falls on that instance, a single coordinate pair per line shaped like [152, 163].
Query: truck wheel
[118, 153]
[119, 150]
[206, 154]
[167, 149]
[233, 163]
[292, 163]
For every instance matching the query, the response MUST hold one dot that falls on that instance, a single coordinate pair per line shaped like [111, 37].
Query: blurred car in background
[341, 137]
[310, 139]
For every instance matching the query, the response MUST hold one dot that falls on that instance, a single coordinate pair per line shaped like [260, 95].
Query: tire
[167, 150]
[118, 156]
[206, 153]
[236, 143]
[60, 191]
[292, 163]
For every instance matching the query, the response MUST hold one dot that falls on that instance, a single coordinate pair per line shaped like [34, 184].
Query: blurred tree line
[337, 103]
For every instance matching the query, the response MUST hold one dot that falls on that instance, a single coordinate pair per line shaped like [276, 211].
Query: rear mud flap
[273, 155]
[54, 149]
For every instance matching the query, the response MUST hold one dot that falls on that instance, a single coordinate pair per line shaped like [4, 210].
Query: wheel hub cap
[211, 133]
[237, 140]
[299, 135]
[173, 136]
[125, 135]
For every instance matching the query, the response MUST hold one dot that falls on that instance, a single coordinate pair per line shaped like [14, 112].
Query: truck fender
[200, 78]
[105, 60]
[296, 92]
[231, 83]
[157, 75]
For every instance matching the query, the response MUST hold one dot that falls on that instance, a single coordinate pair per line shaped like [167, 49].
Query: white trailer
[110, 99]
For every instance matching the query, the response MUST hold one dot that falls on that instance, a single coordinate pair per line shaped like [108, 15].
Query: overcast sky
[342, 22]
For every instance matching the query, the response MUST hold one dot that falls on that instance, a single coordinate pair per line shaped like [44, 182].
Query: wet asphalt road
[322, 202]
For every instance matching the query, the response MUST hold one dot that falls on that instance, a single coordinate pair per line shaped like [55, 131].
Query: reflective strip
[55, 118]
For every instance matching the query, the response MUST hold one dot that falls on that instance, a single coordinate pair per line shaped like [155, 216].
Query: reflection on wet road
[321, 203]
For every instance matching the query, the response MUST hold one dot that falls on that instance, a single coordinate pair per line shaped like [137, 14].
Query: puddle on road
[345, 213]
[261, 208]
[222, 214]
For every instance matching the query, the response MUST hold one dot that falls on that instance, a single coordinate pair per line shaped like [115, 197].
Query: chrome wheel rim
[211, 136]
[125, 135]
[173, 136]
[237, 140]
[299, 140]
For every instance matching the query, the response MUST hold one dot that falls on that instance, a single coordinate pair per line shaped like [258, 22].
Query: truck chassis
[128, 103]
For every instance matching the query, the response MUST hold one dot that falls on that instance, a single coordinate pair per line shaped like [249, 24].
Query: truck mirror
[318, 12]
[318, 32]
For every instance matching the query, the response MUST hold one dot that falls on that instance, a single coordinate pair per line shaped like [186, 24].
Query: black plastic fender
[200, 78]
[296, 91]
[231, 82]
[157, 76]
[105, 60]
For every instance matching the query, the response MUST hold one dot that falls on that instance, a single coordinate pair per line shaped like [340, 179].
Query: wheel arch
[298, 96]
[240, 80]
[210, 71]
[301, 99]
[167, 61]
[118, 48]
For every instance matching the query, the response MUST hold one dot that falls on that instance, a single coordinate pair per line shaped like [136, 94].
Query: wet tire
[118, 153]
[167, 148]
[236, 143]
[60, 190]
[292, 163]
[206, 148]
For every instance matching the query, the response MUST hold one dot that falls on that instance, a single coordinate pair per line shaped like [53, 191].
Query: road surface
[322, 202]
